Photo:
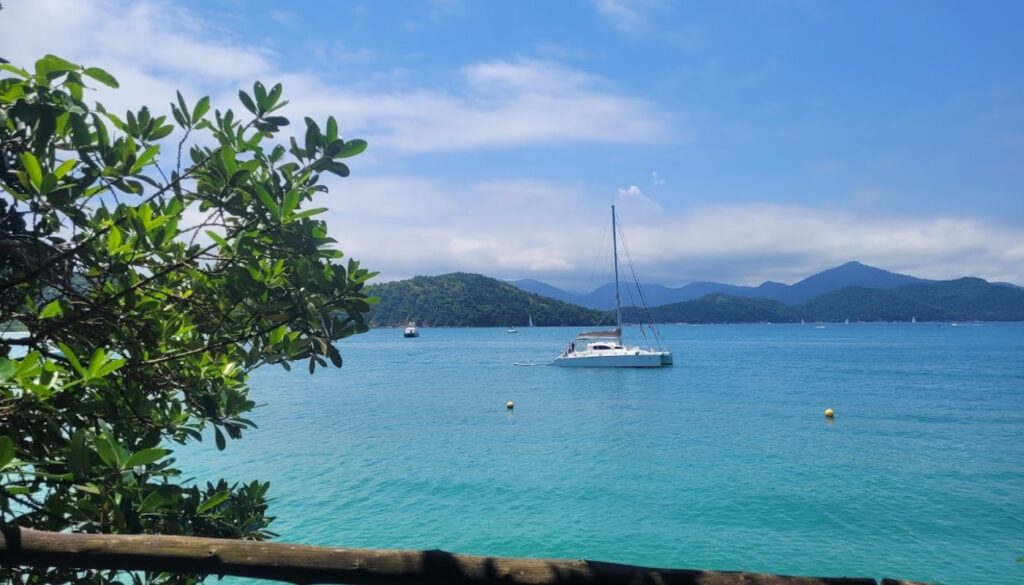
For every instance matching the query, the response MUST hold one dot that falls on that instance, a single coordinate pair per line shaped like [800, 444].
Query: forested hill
[965, 299]
[717, 308]
[470, 300]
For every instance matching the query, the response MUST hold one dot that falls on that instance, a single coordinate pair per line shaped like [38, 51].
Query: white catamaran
[605, 348]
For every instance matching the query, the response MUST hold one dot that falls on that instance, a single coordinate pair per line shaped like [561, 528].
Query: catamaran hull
[643, 360]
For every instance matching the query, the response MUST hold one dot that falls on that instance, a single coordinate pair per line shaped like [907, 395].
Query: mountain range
[474, 300]
[845, 275]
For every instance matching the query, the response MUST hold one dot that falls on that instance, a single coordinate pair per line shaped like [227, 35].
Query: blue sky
[743, 141]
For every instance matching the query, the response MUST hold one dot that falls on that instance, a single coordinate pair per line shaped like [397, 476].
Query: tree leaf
[334, 355]
[78, 454]
[70, 355]
[15, 70]
[312, 137]
[99, 357]
[145, 457]
[213, 501]
[148, 155]
[102, 76]
[275, 94]
[218, 239]
[6, 451]
[352, 148]
[202, 106]
[105, 448]
[54, 64]
[181, 103]
[65, 167]
[52, 309]
[247, 101]
[219, 439]
[332, 129]
[259, 91]
[31, 164]
[309, 213]
[338, 168]
[160, 497]
[268, 202]
[7, 369]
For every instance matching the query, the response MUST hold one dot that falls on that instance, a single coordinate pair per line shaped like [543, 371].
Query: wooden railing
[314, 564]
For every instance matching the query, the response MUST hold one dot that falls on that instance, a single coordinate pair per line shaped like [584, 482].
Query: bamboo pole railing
[24, 547]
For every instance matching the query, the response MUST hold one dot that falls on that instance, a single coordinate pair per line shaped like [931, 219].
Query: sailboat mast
[615, 257]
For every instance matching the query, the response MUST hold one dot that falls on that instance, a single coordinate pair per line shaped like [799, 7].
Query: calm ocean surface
[723, 461]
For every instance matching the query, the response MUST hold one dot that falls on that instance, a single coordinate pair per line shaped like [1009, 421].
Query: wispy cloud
[154, 48]
[633, 199]
[514, 226]
[553, 231]
[495, 104]
[625, 15]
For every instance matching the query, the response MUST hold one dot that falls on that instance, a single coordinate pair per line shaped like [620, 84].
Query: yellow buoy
[829, 413]
[510, 405]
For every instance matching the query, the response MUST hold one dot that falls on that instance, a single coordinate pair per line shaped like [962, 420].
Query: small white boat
[410, 330]
[605, 349]
[513, 330]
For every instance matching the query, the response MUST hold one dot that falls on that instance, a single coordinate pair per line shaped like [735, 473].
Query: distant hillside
[870, 304]
[469, 300]
[970, 298]
[845, 275]
[719, 308]
[965, 299]
[472, 300]
[603, 297]
[851, 274]
[546, 290]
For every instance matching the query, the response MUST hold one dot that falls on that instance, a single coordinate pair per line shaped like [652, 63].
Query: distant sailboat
[847, 321]
[913, 319]
[531, 321]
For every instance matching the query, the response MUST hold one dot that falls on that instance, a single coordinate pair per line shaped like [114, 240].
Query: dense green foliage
[719, 308]
[149, 289]
[470, 300]
[970, 299]
[869, 304]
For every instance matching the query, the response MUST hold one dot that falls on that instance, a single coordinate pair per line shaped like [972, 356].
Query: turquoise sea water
[723, 461]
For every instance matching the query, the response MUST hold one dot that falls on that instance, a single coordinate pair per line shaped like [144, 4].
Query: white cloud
[623, 14]
[155, 47]
[152, 47]
[657, 179]
[512, 227]
[633, 199]
[628, 16]
[494, 104]
[555, 232]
